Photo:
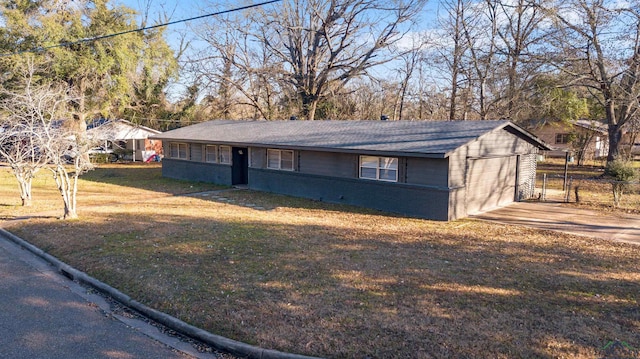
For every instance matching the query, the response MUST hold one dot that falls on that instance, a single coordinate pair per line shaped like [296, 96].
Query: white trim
[178, 145]
[383, 164]
[278, 162]
[215, 154]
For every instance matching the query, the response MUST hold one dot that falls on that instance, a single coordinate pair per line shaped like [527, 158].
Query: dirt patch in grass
[341, 282]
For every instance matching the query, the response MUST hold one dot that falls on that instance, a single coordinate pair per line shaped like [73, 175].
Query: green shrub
[101, 157]
[622, 172]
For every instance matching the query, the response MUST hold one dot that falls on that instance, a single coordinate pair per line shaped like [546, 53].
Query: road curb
[218, 342]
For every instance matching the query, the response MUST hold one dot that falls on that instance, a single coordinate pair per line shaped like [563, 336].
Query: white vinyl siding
[224, 153]
[178, 150]
[280, 160]
[379, 168]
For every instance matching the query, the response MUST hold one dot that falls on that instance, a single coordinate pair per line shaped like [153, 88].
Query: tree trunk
[452, 102]
[25, 193]
[615, 139]
[309, 105]
[67, 191]
[483, 105]
[618, 191]
[69, 213]
[24, 184]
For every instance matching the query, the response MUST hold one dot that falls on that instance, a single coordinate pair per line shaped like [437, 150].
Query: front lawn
[337, 281]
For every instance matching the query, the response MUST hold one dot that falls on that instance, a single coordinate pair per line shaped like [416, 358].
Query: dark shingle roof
[427, 138]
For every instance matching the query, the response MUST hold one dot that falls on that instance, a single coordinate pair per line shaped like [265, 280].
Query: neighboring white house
[591, 137]
[127, 138]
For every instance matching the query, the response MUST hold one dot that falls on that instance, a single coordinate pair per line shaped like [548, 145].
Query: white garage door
[491, 183]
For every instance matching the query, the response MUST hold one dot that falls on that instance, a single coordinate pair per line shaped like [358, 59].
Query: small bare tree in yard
[27, 114]
[33, 137]
[16, 148]
[69, 160]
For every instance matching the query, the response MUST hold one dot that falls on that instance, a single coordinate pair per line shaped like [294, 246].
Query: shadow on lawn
[149, 177]
[145, 177]
[336, 292]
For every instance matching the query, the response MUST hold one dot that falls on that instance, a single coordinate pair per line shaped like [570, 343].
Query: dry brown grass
[336, 281]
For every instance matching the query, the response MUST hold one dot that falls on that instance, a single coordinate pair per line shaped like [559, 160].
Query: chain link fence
[598, 192]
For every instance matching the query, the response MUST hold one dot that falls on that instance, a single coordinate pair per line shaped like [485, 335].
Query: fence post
[544, 187]
[566, 171]
[567, 193]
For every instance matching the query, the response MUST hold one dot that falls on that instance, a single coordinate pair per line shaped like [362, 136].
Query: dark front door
[240, 167]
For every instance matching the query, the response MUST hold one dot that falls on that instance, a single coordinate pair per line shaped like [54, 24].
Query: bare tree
[69, 160]
[35, 135]
[453, 48]
[633, 134]
[324, 44]
[489, 49]
[599, 47]
[238, 73]
[410, 60]
[27, 114]
[479, 28]
[520, 30]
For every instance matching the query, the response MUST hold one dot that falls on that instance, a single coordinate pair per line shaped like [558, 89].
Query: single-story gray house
[442, 170]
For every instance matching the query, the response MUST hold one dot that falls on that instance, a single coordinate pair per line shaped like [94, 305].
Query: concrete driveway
[564, 218]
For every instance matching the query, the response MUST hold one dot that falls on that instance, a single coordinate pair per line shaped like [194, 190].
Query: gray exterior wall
[492, 145]
[411, 170]
[499, 143]
[427, 171]
[197, 171]
[418, 201]
[344, 165]
[333, 177]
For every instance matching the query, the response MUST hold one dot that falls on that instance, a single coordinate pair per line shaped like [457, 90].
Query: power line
[102, 37]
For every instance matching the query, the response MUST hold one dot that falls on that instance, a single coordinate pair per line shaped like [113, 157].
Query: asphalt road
[45, 315]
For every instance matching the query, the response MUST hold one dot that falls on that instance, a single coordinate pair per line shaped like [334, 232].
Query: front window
[562, 138]
[379, 168]
[225, 155]
[211, 153]
[280, 160]
[178, 150]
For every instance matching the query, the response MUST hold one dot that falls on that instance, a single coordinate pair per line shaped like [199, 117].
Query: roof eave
[314, 148]
[538, 142]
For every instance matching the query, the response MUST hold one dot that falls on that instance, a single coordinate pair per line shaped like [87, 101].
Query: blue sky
[183, 9]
